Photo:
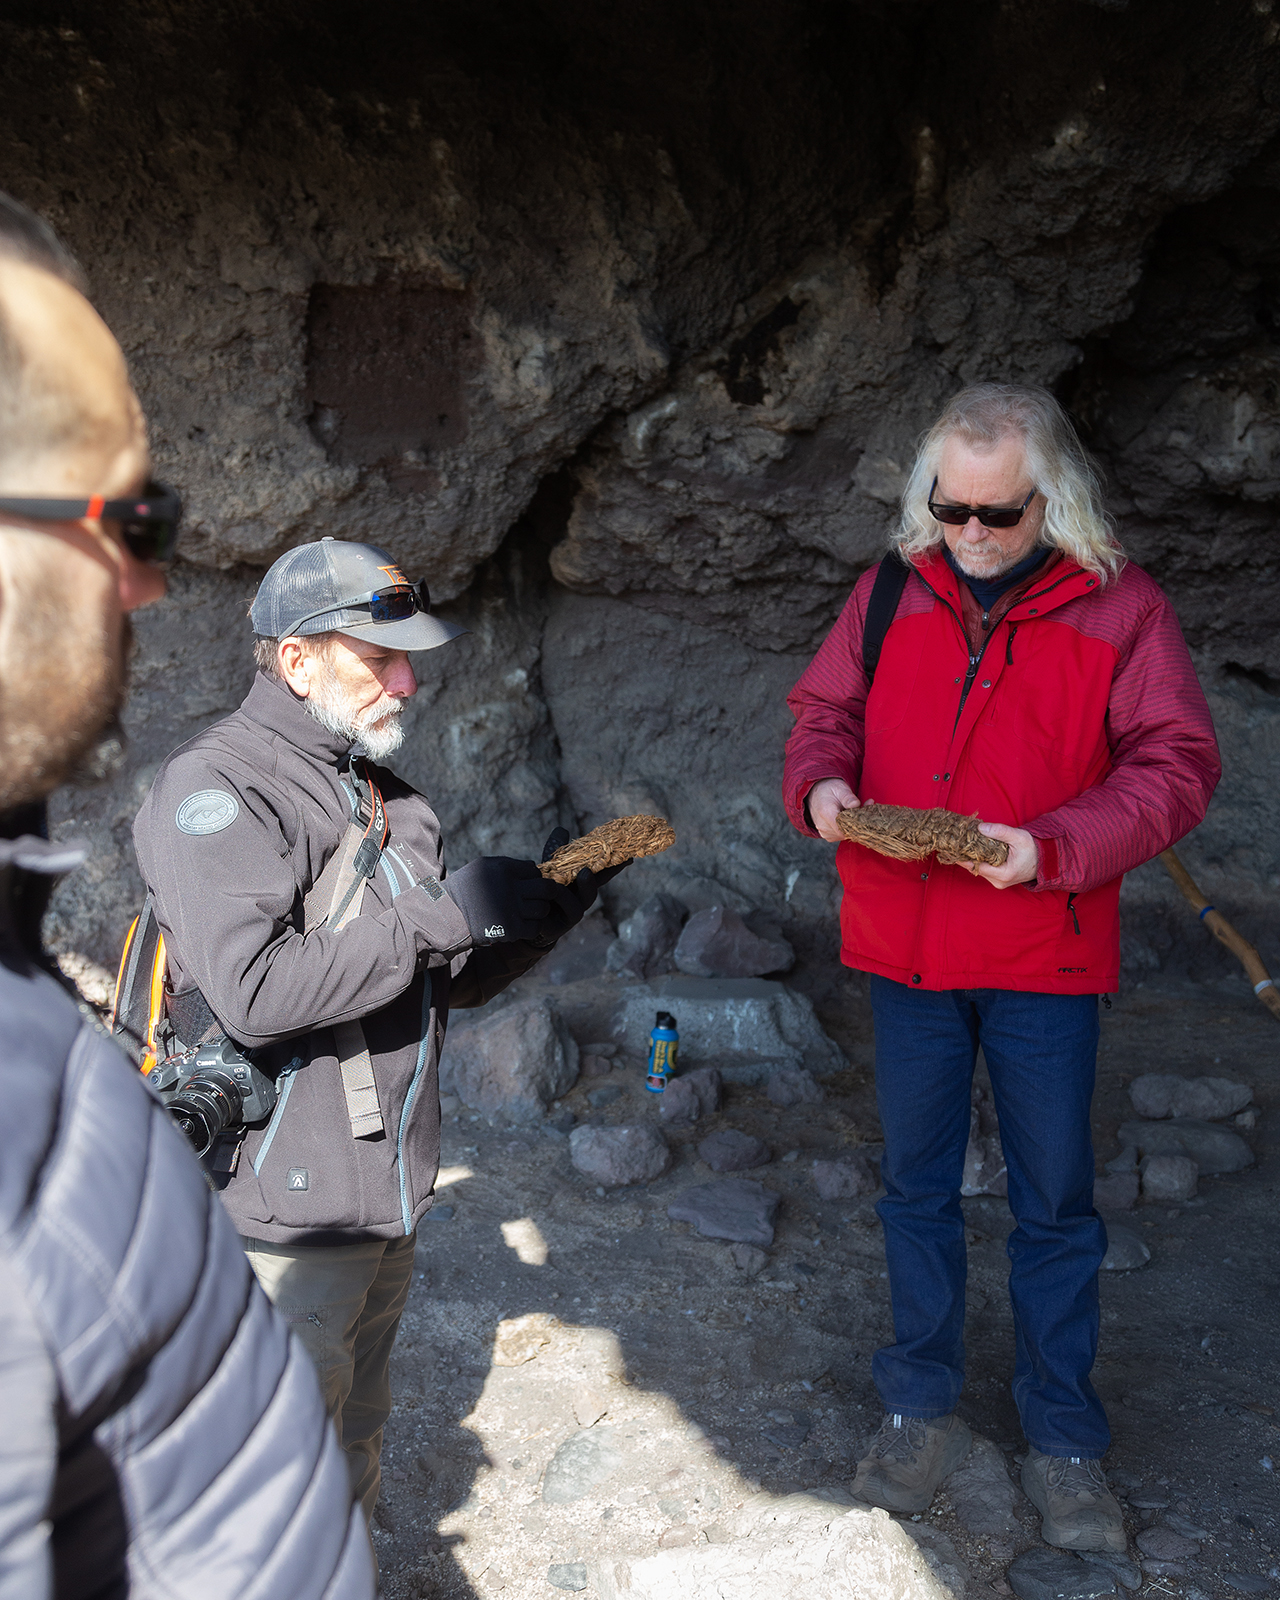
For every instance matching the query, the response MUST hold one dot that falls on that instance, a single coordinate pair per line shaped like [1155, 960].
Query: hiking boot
[909, 1457]
[1078, 1511]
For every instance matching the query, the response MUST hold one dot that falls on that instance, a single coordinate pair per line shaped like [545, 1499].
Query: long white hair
[1075, 519]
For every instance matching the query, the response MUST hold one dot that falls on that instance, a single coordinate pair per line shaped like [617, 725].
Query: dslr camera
[212, 1090]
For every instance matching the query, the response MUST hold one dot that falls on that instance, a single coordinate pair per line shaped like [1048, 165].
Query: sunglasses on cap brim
[148, 522]
[988, 516]
[385, 605]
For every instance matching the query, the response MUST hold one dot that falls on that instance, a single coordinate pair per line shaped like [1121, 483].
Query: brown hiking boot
[1078, 1511]
[909, 1457]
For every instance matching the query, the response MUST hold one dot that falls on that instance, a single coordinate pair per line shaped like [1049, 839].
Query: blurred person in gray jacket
[163, 1434]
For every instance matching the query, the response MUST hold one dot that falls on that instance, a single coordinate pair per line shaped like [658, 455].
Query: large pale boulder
[799, 1548]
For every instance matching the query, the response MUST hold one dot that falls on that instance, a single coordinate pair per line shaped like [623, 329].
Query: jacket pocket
[306, 1165]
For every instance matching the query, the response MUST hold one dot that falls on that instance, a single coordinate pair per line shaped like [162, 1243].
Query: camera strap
[333, 900]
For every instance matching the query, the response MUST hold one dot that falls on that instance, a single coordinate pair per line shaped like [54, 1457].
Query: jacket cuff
[438, 923]
[796, 798]
[1049, 871]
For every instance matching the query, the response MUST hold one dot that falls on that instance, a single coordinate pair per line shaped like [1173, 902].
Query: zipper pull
[1071, 907]
[974, 663]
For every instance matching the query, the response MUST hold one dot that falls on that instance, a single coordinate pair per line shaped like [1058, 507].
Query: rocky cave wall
[620, 325]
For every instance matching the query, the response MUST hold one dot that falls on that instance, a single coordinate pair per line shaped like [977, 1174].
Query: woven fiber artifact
[609, 845]
[909, 835]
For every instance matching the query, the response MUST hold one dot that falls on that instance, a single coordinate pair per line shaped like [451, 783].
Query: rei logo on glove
[496, 932]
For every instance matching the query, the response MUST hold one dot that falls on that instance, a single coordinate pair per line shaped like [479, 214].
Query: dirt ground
[705, 1389]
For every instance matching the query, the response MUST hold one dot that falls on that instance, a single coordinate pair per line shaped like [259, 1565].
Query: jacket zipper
[1008, 648]
[1071, 907]
[976, 661]
[289, 1073]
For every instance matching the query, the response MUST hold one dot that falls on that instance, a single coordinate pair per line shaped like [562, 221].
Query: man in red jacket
[1028, 675]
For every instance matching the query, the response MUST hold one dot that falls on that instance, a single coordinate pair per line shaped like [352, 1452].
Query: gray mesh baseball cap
[328, 587]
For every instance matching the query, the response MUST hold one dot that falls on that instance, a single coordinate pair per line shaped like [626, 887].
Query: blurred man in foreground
[163, 1435]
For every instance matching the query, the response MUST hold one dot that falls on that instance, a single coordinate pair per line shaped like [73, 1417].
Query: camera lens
[209, 1103]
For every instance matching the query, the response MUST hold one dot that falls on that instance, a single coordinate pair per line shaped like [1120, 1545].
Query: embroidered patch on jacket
[297, 1178]
[207, 811]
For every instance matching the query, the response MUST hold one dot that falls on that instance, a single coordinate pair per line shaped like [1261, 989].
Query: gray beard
[332, 711]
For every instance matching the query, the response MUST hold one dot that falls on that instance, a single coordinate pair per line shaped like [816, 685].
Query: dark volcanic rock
[717, 943]
[728, 1150]
[647, 938]
[1047, 1574]
[619, 1156]
[733, 1208]
[691, 1096]
[791, 1086]
[845, 1179]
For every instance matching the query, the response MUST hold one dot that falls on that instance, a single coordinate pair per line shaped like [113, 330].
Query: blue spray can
[664, 1042]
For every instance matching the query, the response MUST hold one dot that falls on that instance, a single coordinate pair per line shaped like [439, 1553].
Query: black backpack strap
[891, 580]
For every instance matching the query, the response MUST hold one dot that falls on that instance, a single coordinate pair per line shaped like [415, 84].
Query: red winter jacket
[1084, 724]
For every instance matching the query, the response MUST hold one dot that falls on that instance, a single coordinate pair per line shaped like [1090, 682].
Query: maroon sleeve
[828, 704]
[1165, 765]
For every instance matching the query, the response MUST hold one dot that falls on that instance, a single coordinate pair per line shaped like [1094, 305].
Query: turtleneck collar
[272, 704]
[986, 591]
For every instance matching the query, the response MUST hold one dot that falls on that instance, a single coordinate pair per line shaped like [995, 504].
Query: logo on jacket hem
[207, 811]
[496, 932]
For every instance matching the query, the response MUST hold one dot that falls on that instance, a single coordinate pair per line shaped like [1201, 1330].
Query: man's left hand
[1023, 861]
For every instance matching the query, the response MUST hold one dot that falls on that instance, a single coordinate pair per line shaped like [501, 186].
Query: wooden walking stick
[1249, 959]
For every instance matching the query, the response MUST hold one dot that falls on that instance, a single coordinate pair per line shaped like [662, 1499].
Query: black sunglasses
[148, 524]
[988, 516]
[385, 605]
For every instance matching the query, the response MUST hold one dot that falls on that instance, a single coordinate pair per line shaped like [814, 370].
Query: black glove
[505, 899]
[582, 890]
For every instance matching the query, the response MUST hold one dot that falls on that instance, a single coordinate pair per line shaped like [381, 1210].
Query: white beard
[378, 728]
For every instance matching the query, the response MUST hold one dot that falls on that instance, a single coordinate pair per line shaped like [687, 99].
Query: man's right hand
[505, 899]
[826, 800]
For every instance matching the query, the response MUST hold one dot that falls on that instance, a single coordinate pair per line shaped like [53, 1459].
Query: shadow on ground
[544, 1311]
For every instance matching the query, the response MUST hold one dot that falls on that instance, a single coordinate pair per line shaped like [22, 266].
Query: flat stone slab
[733, 1208]
[1047, 1574]
[1163, 1544]
[1212, 1148]
[719, 1019]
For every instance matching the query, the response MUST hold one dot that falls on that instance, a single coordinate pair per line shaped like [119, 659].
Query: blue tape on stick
[1206, 912]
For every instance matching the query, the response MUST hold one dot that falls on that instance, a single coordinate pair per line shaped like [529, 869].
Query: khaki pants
[344, 1303]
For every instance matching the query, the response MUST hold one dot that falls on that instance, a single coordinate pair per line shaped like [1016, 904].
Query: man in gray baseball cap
[307, 916]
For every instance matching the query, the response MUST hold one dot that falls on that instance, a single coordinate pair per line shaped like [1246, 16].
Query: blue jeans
[1041, 1051]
